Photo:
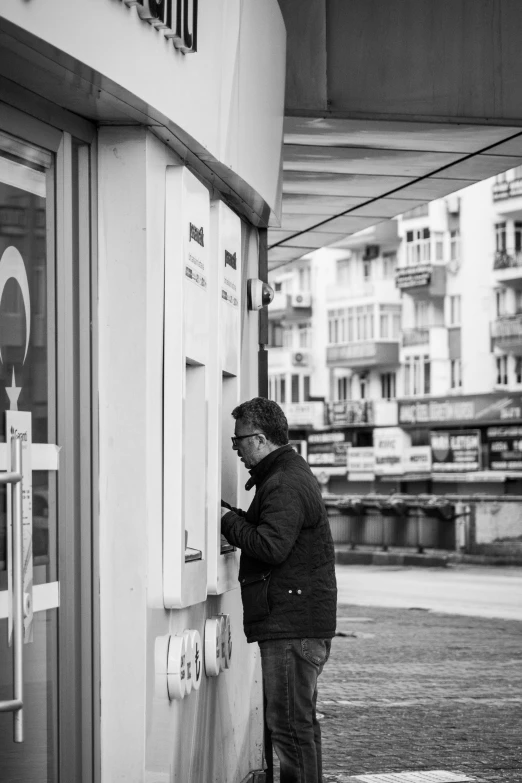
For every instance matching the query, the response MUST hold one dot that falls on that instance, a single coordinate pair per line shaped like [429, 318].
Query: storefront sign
[390, 445]
[417, 459]
[177, 20]
[304, 414]
[327, 449]
[351, 413]
[478, 409]
[504, 448]
[411, 277]
[361, 463]
[455, 451]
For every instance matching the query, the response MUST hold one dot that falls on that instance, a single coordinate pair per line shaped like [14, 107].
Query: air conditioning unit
[301, 300]
[300, 358]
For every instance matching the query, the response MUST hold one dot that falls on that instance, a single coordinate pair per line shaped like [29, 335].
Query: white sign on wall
[390, 445]
[361, 463]
[418, 459]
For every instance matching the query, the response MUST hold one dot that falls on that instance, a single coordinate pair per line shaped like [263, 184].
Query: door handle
[14, 477]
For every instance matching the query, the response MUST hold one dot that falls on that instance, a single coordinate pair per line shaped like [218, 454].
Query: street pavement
[409, 689]
[481, 591]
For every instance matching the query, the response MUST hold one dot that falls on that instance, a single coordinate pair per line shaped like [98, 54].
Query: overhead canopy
[391, 105]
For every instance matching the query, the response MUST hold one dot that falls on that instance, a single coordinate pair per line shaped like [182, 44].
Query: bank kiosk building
[140, 147]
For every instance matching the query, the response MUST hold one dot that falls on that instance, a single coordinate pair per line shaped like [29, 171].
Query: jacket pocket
[254, 594]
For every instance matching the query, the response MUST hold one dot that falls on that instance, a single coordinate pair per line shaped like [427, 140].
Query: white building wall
[474, 282]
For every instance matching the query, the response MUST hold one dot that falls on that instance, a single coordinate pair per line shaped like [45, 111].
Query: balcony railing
[502, 190]
[368, 353]
[507, 327]
[358, 413]
[305, 414]
[507, 259]
[417, 336]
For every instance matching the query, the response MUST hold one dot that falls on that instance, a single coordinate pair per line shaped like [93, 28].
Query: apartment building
[404, 369]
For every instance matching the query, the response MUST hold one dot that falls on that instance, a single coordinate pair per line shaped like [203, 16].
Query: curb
[355, 557]
[346, 556]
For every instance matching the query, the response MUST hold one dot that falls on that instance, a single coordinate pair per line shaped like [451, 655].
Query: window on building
[389, 321]
[438, 245]
[388, 386]
[417, 376]
[288, 337]
[427, 376]
[421, 313]
[367, 270]
[295, 389]
[456, 373]
[350, 325]
[363, 385]
[277, 388]
[278, 286]
[306, 388]
[343, 389]
[303, 278]
[502, 371]
[500, 237]
[501, 301]
[418, 248]
[518, 236]
[275, 334]
[304, 335]
[454, 310]
[518, 369]
[344, 272]
[389, 265]
[454, 247]
[516, 173]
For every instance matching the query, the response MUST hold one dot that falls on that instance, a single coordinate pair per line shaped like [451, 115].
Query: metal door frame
[74, 265]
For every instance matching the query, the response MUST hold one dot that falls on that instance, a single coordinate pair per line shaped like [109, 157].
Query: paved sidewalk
[411, 690]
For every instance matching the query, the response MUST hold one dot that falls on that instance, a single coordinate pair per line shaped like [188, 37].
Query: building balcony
[507, 265]
[311, 415]
[377, 290]
[351, 413]
[434, 339]
[286, 359]
[506, 333]
[367, 354]
[291, 307]
[424, 280]
[505, 190]
[417, 336]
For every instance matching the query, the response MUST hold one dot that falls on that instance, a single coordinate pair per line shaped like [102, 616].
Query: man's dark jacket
[286, 573]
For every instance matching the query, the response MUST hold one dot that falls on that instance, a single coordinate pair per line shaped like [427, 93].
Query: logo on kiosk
[177, 20]
[231, 259]
[197, 235]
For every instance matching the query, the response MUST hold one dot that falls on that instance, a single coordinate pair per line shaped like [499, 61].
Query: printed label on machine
[195, 256]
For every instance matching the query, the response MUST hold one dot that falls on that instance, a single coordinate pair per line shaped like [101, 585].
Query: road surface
[475, 591]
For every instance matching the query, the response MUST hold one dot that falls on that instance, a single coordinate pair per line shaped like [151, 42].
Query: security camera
[259, 294]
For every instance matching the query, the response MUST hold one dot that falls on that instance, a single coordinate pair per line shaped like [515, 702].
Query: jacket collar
[258, 473]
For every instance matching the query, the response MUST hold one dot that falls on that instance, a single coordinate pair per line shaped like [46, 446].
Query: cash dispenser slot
[229, 462]
[194, 451]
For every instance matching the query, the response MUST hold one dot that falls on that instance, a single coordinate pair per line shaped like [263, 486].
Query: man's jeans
[290, 671]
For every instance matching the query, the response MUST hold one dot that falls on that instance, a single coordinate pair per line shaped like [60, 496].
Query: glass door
[44, 252]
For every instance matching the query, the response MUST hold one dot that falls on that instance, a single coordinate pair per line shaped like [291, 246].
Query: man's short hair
[266, 416]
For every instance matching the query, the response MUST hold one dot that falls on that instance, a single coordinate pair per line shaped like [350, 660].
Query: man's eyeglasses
[242, 437]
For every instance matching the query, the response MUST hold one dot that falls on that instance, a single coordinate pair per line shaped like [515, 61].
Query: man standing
[287, 580]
